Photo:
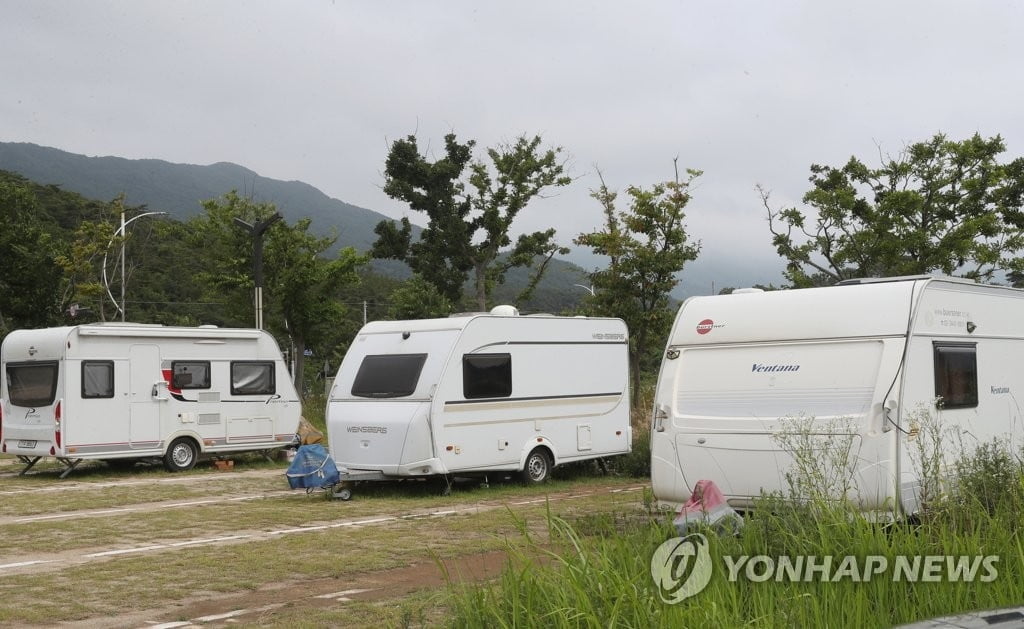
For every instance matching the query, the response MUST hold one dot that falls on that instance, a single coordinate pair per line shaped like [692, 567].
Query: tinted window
[256, 378]
[32, 384]
[191, 375]
[97, 379]
[956, 374]
[486, 375]
[388, 375]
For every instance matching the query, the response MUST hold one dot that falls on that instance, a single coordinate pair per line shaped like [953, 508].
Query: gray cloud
[748, 92]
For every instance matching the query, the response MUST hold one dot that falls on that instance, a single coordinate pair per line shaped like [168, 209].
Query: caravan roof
[866, 308]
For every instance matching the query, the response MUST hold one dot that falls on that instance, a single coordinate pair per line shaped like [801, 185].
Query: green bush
[990, 479]
[638, 462]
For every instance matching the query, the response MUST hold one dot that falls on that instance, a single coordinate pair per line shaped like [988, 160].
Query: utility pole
[257, 230]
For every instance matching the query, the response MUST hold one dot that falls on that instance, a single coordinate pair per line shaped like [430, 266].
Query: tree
[647, 246]
[469, 213]
[939, 206]
[302, 287]
[84, 291]
[417, 298]
[29, 276]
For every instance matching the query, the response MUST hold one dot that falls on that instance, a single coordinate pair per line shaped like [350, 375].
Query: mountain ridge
[179, 189]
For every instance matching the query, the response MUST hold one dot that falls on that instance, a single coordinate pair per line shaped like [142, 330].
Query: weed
[596, 570]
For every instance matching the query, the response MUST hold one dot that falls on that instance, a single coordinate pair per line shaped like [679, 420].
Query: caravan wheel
[181, 455]
[537, 468]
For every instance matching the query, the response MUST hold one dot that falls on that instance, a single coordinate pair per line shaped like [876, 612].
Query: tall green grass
[587, 573]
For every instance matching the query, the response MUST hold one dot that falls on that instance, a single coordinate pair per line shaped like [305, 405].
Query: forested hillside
[180, 189]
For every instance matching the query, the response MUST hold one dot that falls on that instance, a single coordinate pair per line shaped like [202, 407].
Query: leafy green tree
[84, 293]
[306, 289]
[302, 288]
[470, 206]
[417, 298]
[939, 206]
[647, 246]
[29, 275]
[162, 267]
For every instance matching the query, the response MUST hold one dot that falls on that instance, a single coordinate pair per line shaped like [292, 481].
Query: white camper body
[129, 391]
[871, 356]
[480, 393]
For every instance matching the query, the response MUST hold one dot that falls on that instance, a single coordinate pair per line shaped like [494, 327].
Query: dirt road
[125, 533]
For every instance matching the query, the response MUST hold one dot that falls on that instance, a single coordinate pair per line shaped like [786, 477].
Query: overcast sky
[750, 93]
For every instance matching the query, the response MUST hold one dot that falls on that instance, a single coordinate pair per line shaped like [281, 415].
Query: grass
[121, 584]
[421, 609]
[595, 571]
[159, 580]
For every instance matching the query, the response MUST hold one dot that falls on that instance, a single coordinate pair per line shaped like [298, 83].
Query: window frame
[470, 391]
[174, 375]
[266, 363]
[54, 364]
[105, 363]
[941, 373]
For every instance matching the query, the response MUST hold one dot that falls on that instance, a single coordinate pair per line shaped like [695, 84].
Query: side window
[252, 378]
[191, 374]
[486, 376]
[97, 379]
[956, 374]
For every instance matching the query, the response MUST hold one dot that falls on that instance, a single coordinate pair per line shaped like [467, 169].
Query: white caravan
[866, 358]
[121, 392]
[480, 393]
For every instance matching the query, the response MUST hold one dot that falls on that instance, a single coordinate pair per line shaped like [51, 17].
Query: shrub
[989, 479]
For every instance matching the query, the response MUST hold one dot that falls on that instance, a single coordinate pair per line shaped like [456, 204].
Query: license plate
[27, 443]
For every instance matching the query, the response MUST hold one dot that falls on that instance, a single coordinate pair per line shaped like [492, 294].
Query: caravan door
[144, 374]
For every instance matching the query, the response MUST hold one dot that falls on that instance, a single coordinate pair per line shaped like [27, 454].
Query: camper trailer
[479, 394]
[122, 392]
[871, 360]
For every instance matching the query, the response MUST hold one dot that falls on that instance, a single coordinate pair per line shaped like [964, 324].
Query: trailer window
[956, 374]
[252, 378]
[388, 375]
[32, 384]
[97, 379]
[486, 375]
[191, 375]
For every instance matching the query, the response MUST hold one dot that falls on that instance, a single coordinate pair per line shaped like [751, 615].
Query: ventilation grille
[207, 419]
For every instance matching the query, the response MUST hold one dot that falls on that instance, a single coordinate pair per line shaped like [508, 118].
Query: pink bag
[707, 506]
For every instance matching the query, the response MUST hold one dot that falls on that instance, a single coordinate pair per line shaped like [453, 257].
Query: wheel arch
[539, 442]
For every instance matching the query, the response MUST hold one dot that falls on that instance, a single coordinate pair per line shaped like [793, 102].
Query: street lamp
[257, 231]
[124, 279]
[586, 288]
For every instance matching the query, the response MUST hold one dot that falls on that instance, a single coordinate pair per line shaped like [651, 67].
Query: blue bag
[312, 468]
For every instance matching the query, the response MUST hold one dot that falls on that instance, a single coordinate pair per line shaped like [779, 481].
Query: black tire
[537, 468]
[181, 455]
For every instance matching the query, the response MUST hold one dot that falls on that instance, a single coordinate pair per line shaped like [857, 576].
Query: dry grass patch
[119, 585]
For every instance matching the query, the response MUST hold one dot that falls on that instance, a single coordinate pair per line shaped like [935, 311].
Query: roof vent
[744, 291]
[505, 311]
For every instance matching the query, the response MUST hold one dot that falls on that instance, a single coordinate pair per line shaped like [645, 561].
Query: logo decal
[705, 326]
[383, 430]
[681, 567]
